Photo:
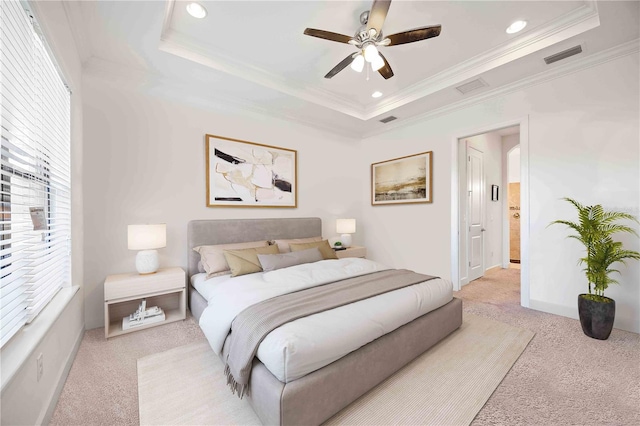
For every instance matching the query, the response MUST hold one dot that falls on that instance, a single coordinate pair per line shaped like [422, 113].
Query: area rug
[448, 384]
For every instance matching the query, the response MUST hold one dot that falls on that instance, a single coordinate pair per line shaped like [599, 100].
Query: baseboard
[621, 323]
[552, 308]
[490, 268]
[62, 380]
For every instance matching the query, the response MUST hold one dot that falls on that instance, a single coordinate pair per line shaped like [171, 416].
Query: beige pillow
[245, 261]
[323, 246]
[283, 245]
[212, 257]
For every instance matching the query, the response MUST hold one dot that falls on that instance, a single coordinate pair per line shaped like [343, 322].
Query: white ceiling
[253, 54]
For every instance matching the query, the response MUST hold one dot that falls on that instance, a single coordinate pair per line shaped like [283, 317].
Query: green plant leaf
[594, 229]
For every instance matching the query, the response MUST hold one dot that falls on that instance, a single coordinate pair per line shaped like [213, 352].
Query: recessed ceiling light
[376, 94]
[516, 26]
[196, 10]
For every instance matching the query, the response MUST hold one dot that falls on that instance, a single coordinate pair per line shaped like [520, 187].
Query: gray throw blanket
[253, 324]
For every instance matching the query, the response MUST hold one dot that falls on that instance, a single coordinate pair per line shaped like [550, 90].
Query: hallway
[498, 287]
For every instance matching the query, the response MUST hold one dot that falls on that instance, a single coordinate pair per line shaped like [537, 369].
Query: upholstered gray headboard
[225, 231]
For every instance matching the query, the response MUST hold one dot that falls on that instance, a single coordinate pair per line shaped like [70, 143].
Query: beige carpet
[562, 378]
[449, 384]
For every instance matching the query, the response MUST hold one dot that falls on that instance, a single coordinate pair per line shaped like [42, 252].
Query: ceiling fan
[369, 36]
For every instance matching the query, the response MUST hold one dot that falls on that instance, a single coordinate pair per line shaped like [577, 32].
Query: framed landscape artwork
[247, 174]
[403, 180]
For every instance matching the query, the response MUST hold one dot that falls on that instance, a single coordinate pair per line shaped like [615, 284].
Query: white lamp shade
[346, 226]
[370, 52]
[377, 63]
[358, 63]
[147, 237]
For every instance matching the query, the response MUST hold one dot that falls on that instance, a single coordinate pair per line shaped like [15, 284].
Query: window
[35, 212]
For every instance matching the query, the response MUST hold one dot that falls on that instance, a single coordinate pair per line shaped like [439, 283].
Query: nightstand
[353, 251]
[124, 292]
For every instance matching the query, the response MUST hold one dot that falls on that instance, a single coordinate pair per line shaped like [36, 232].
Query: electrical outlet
[39, 366]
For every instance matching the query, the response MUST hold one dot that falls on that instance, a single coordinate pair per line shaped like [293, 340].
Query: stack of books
[143, 316]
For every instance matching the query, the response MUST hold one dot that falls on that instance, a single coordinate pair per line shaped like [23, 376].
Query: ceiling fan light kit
[369, 37]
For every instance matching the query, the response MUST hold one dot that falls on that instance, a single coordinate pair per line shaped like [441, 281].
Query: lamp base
[147, 262]
[345, 239]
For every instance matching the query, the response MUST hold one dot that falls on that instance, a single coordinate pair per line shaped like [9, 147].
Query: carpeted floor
[562, 378]
[448, 384]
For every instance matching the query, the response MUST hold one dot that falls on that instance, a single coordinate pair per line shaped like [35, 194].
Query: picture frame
[494, 192]
[247, 174]
[403, 180]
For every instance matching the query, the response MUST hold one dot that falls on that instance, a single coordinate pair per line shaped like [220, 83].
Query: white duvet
[307, 344]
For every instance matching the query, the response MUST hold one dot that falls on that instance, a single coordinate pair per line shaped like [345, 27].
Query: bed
[318, 395]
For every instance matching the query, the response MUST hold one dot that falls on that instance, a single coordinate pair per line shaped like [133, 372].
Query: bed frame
[317, 396]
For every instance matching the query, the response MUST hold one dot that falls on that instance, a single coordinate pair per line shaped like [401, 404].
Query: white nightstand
[124, 292]
[353, 251]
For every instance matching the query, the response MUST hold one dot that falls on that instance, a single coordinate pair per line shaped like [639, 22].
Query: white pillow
[213, 260]
[271, 262]
[283, 245]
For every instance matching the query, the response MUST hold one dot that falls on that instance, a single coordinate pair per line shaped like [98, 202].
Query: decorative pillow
[212, 257]
[271, 262]
[324, 247]
[283, 245]
[245, 261]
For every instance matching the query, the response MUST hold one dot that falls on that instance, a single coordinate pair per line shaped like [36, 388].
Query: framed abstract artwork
[403, 180]
[248, 174]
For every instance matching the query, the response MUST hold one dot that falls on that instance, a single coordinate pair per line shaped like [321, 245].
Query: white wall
[583, 143]
[144, 162]
[25, 400]
[513, 168]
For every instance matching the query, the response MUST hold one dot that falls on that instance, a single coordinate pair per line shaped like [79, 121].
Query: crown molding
[137, 79]
[175, 43]
[568, 25]
[613, 53]
[564, 27]
[147, 81]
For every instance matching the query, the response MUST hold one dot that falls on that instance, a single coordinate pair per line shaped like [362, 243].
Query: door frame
[523, 122]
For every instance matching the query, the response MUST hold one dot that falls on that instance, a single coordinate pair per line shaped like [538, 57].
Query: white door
[475, 187]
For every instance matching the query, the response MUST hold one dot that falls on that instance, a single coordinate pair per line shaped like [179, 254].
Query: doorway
[496, 144]
[513, 203]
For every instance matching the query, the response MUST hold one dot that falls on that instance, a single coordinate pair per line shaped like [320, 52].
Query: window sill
[17, 350]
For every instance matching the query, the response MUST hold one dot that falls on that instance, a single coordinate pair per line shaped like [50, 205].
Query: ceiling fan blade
[414, 35]
[327, 35]
[342, 65]
[386, 70]
[378, 14]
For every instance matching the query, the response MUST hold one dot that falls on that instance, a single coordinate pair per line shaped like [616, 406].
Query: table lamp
[147, 238]
[346, 227]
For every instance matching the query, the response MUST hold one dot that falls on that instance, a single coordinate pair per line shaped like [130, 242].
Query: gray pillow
[271, 262]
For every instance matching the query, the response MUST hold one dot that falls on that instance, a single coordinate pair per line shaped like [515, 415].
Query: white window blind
[35, 222]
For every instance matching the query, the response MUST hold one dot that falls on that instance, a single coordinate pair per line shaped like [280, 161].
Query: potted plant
[594, 229]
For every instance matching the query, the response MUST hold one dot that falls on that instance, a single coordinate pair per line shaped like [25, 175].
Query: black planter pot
[596, 318]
